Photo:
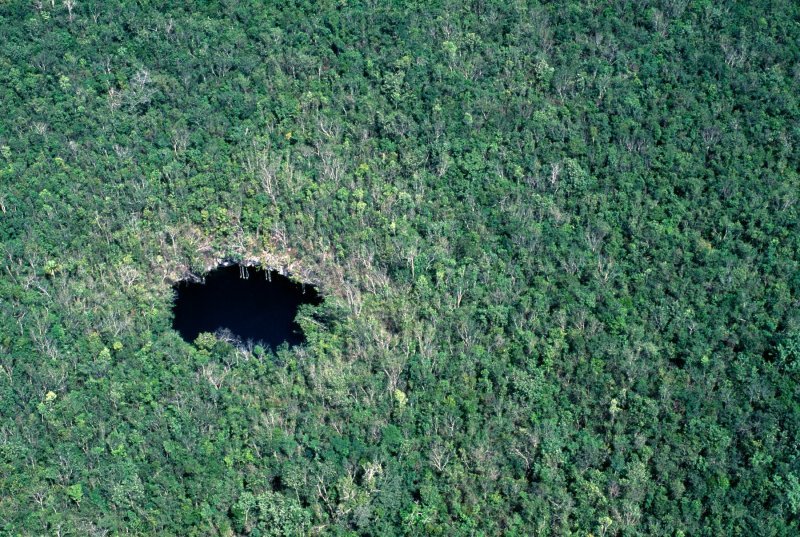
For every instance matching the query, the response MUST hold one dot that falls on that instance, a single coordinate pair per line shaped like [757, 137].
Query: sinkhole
[249, 303]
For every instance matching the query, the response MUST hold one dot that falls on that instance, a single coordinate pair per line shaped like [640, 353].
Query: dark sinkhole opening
[252, 304]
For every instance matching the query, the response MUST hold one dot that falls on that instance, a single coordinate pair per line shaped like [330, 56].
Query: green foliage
[558, 242]
[269, 515]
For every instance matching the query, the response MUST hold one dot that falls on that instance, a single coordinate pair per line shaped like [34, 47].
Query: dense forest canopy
[558, 243]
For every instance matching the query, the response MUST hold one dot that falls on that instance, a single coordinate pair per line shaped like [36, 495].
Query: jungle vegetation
[557, 240]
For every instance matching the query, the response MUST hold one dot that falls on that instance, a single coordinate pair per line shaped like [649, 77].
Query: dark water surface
[259, 307]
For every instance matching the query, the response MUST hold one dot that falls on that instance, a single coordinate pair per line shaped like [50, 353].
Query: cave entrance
[253, 305]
